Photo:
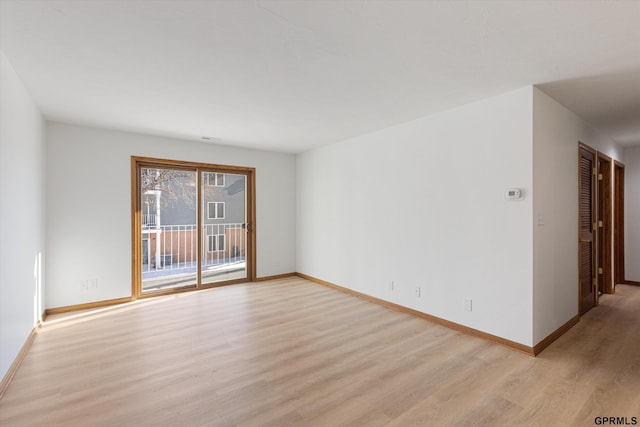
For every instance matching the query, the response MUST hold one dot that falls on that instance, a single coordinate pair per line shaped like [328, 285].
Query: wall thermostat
[513, 194]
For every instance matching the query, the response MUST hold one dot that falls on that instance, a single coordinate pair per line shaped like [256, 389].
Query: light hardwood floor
[292, 352]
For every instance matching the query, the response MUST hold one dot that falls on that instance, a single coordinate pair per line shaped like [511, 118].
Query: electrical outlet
[392, 286]
[84, 285]
[468, 305]
[418, 292]
[93, 284]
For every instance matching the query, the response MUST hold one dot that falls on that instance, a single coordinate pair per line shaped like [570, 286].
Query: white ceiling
[292, 75]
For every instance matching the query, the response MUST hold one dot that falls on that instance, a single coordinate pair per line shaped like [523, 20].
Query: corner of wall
[556, 133]
[632, 213]
[21, 215]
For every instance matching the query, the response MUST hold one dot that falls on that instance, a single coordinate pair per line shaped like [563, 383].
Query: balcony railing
[173, 248]
[149, 220]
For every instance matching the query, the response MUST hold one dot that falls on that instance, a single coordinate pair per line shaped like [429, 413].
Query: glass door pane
[169, 231]
[224, 220]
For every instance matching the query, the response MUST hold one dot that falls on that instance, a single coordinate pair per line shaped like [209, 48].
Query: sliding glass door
[192, 225]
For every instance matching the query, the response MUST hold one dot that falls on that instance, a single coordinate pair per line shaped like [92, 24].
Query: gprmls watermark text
[616, 421]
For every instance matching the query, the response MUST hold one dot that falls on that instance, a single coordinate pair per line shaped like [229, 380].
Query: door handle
[247, 226]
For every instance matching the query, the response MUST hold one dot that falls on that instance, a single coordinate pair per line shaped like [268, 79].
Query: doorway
[618, 230]
[192, 226]
[586, 227]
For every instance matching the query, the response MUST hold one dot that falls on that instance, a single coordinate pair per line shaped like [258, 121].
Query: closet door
[586, 228]
[605, 225]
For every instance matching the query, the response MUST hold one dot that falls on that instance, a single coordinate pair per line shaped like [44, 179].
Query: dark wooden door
[586, 226]
[603, 251]
[618, 235]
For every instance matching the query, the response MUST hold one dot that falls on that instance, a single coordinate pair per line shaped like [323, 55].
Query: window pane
[168, 211]
[225, 207]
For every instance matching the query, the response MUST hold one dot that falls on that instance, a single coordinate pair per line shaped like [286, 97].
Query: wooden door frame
[604, 220]
[618, 227]
[136, 221]
[593, 279]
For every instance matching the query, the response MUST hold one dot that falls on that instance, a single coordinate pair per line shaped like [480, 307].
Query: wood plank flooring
[292, 352]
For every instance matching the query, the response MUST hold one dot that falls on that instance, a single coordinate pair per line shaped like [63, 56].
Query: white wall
[89, 206]
[632, 213]
[556, 132]
[423, 204]
[21, 214]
